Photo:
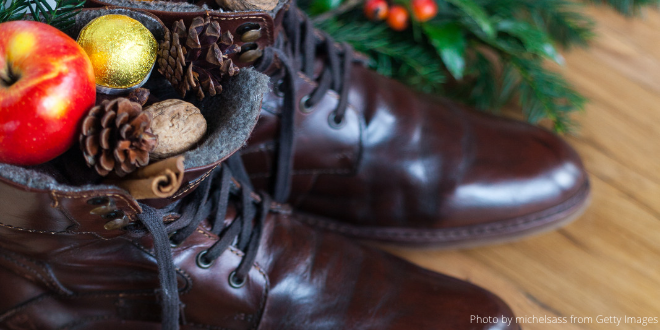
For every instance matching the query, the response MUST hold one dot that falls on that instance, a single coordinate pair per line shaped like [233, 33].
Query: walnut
[179, 126]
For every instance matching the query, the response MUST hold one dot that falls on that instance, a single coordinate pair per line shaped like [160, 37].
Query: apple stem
[7, 78]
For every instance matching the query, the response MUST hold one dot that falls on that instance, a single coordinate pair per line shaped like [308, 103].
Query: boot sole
[462, 237]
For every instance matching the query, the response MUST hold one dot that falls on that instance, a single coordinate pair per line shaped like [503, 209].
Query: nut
[179, 126]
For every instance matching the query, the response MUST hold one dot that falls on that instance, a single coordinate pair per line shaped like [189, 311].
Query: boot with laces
[361, 154]
[223, 257]
[79, 254]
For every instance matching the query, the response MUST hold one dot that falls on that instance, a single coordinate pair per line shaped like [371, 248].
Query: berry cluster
[397, 16]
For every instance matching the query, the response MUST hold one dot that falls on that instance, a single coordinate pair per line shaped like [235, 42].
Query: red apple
[46, 87]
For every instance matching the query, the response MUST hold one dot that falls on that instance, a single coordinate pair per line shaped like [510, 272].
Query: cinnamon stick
[156, 180]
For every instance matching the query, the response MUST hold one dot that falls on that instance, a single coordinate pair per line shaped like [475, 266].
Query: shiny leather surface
[410, 168]
[423, 162]
[79, 277]
[336, 148]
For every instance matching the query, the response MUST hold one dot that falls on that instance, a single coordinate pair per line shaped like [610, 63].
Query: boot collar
[231, 117]
[263, 27]
[32, 206]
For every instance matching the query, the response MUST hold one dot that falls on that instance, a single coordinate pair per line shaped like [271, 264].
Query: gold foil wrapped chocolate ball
[122, 52]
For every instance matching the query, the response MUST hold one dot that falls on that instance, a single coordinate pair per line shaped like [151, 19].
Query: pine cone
[116, 135]
[197, 58]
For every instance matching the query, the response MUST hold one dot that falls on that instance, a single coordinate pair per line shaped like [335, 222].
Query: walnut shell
[179, 126]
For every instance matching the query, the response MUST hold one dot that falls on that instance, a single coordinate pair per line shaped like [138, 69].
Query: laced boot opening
[298, 48]
[209, 202]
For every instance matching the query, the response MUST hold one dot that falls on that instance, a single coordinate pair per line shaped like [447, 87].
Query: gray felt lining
[179, 7]
[39, 178]
[155, 26]
[230, 117]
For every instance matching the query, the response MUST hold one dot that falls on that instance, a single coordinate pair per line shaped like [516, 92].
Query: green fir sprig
[487, 53]
[60, 15]
[391, 54]
[12, 10]
[627, 7]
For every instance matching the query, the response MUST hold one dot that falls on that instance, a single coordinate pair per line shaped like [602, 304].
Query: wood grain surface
[608, 261]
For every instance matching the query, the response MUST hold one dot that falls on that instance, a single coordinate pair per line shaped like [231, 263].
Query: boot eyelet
[98, 201]
[114, 214]
[116, 224]
[304, 107]
[173, 244]
[251, 35]
[332, 121]
[200, 260]
[234, 281]
[250, 52]
[246, 27]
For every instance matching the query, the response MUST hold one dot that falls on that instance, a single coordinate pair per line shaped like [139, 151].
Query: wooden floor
[608, 261]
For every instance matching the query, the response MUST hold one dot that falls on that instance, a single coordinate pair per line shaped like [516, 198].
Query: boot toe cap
[518, 172]
[427, 300]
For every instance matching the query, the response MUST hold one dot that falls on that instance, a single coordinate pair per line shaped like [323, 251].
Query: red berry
[424, 10]
[398, 18]
[376, 10]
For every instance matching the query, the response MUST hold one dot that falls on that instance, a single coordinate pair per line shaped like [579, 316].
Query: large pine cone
[116, 135]
[197, 58]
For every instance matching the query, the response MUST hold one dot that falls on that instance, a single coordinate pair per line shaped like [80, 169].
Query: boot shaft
[65, 261]
[65, 264]
[59, 268]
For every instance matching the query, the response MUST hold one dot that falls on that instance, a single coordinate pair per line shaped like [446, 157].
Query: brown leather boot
[81, 255]
[363, 155]
[234, 261]
[78, 254]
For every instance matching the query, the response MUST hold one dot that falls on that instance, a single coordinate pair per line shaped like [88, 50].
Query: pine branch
[482, 90]
[12, 10]
[59, 16]
[562, 20]
[346, 6]
[546, 94]
[495, 48]
[627, 7]
[394, 55]
[567, 28]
